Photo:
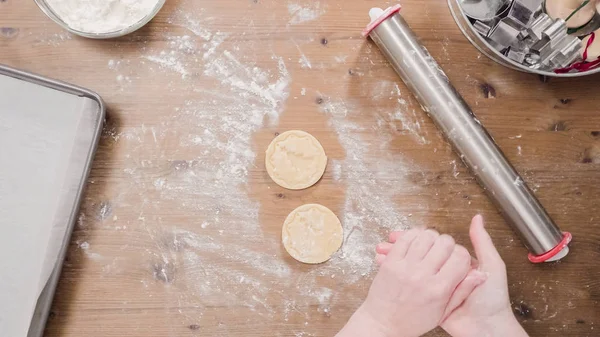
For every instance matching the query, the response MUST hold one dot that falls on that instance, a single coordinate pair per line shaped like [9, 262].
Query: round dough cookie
[563, 8]
[295, 160]
[312, 233]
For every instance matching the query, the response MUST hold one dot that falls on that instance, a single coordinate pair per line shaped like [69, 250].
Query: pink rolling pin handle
[376, 22]
[547, 257]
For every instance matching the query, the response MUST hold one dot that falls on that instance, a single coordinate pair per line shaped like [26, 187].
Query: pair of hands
[427, 280]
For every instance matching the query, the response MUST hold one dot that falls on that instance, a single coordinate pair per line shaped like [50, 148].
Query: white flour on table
[53, 39]
[305, 13]
[207, 176]
[369, 208]
[399, 117]
[216, 124]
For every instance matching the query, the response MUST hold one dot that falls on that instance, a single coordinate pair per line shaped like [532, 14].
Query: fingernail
[380, 248]
[479, 218]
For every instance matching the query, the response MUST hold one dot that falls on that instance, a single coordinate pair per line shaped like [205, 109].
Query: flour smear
[214, 126]
[220, 253]
[370, 209]
[403, 117]
[301, 13]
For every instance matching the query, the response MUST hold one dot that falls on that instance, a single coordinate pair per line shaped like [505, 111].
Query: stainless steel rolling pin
[455, 119]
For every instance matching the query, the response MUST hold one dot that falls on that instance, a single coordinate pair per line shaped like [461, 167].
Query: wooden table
[179, 233]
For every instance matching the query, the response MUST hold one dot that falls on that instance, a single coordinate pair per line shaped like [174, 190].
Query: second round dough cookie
[312, 234]
[295, 160]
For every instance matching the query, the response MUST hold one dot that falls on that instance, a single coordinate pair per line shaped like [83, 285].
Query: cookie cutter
[517, 54]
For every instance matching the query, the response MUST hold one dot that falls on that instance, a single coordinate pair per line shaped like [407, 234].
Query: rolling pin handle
[555, 254]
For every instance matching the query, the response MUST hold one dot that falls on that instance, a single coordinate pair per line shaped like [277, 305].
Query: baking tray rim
[44, 303]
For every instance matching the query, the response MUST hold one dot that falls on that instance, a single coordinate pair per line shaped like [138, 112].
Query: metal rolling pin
[455, 119]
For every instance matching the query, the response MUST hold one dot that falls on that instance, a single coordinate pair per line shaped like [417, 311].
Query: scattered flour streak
[252, 83]
[402, 117]
[190, 22]
[304, 62]
[196, 160]
[207, 177]
[305, 13]
[168, 61]
[369, 206]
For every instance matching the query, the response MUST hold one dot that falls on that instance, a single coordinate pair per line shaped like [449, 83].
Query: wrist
[506, 324]
[363, 324]
[500, 325]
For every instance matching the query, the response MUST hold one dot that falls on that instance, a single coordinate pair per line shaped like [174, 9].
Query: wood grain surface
[169, 243]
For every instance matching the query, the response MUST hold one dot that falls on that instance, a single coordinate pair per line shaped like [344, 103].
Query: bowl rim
[505, 61]
[47, 10]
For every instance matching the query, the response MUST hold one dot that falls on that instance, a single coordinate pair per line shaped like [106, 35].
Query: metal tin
[483, 10]
[484, 46]
[77, 171]
[50, 13]
[505, 187]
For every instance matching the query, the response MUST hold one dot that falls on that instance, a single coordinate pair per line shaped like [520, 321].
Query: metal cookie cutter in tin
[507, 38]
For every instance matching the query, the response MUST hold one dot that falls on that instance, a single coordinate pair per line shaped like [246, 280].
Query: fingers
[394, 236]
[474, 263]
[456, 267]
[422, 244]
[465, 288]
[384, 248]
[398, 251]
[487, 255]
[440, 252]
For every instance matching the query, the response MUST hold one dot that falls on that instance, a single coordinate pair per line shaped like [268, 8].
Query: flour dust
[53, 39]
[222, 254]
[196, 161]
[370, 209]
[402, 116]
[301, 13]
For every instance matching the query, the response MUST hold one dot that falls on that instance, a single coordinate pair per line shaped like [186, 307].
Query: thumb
[465, 288]
[486, 252]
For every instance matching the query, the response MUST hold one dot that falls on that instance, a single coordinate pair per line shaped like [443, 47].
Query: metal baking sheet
[49, 132]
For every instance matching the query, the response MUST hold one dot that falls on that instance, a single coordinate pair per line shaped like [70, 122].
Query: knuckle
[446, 240]
[432, 233]
[394, 236]
[387, 267]
[428, 236]
[439, 291]
[409, 236]
[415, 278]
[462, 253]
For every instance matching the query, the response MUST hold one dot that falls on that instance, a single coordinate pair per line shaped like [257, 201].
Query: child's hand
[410, 294]
[486, 312]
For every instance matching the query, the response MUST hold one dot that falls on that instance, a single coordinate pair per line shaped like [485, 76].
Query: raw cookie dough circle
[563, 8]
[295, 160]
[312, 233]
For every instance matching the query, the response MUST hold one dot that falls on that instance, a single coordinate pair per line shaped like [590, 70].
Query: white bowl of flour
[101, 19]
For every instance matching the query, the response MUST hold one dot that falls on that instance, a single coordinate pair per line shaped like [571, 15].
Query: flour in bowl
[102, 16]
